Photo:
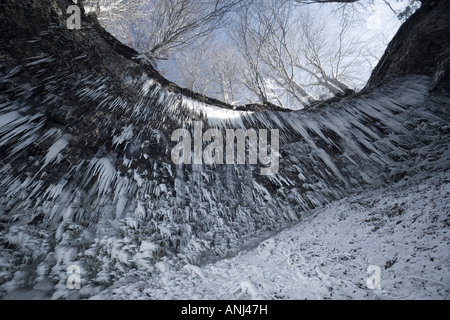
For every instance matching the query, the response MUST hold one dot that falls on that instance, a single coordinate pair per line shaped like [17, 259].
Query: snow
[148, 246]
[217, 117]
[402, 229]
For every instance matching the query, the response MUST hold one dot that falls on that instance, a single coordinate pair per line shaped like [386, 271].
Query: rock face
[421, 46]
[87, 177]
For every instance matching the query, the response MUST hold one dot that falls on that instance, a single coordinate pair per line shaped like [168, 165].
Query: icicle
[54, 151]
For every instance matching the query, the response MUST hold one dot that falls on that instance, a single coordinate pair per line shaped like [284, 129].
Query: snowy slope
[402, 229]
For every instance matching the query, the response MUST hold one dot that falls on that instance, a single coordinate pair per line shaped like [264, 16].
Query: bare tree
[275, 21]
[410, 7]
[283, 53]
[226, 69]
[191, 72]
[297, 51]
[330, 62]
[249, 43]
[213, 70]
[157, 28]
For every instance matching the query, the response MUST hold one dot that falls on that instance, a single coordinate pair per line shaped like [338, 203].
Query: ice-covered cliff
[86, 173]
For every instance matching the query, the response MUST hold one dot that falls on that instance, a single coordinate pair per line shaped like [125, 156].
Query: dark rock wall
[421, 46]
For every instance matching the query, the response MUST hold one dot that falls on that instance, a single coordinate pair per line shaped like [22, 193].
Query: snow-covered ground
[403, 230]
